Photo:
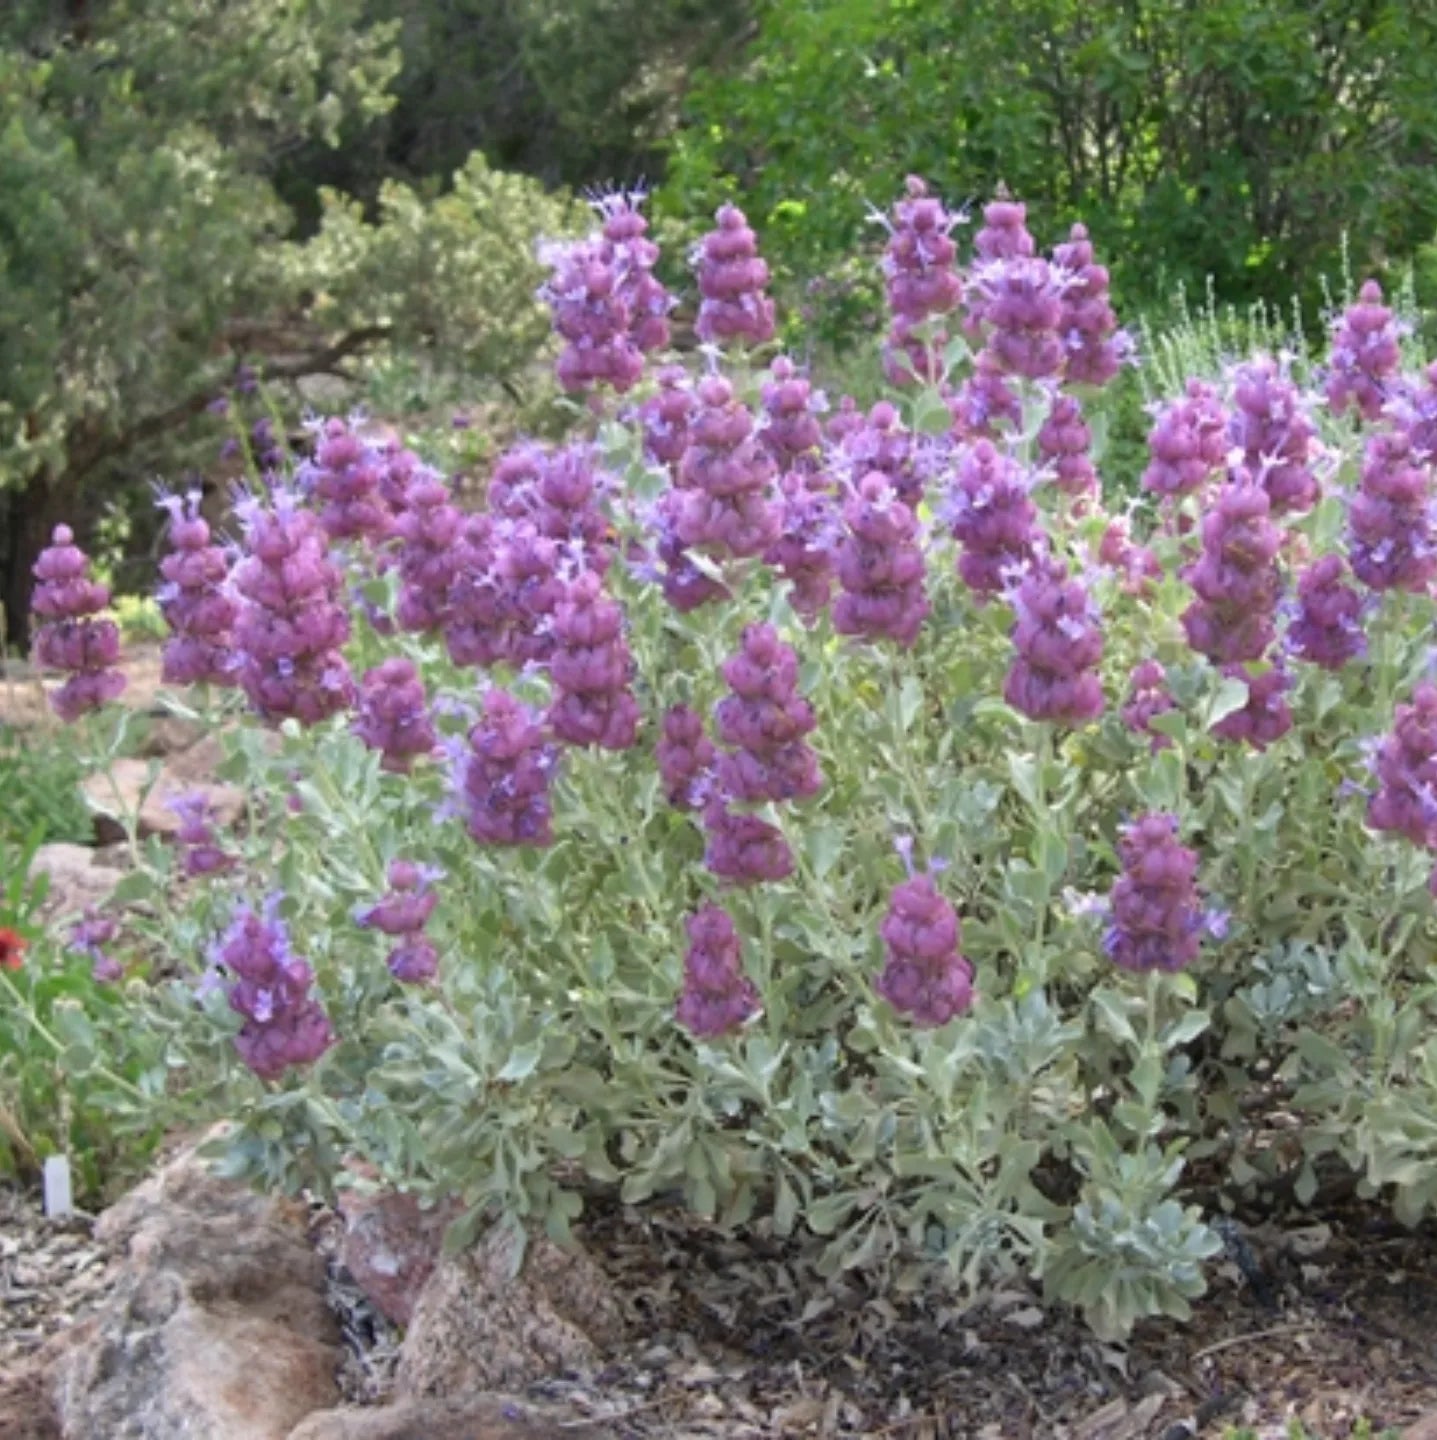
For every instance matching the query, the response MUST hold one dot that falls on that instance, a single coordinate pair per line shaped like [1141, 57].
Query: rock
[475, 1329]
[391, 1245]
[78, 877]
[217, 1325]
[476, 1417]
[1423, 1429]
[133, 780]
[27, 1409]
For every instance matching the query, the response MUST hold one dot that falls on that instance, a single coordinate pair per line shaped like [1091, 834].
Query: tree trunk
[26, 519]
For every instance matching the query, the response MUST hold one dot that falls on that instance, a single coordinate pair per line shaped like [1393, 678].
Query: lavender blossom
[480, 610]
[1187, 444]
[1148, 697]
[633, 257]
[1155, 919]
[922, 284]
[742, 848]
[804, 551]
[880, 567]
[428, 528]
[1405, 763]
[1065, 443]
[290, 624]
[195, 601]
[587, 299]
[1413, 409]
[284, 1024]
[665, 416]
[717, 998]
[883, 444]
[1328, 628]
[1236, 578]
[1095, 346]
[732, 280]
[402, 914]
[924, 976]
[393, 715]
[201, 854]
[1265, 718]
[994, 520]
[1022, 308]
[1365, 356]
[1391, 540]
[790, 430]
[1059, 640]
[72, 640]
[89, 936]
[502, 776]
[344, 477]
[591, 669]
[1275, 436]
[985, 404]
[685, 756]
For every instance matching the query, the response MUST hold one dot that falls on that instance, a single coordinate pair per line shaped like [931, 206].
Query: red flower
[12, 950]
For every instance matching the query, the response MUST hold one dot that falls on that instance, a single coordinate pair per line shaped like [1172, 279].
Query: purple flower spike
[1328, 628]
[763, 722]
[502, 778]
[1155, 919]
[743, 849]
[685, 755]
[1148, 697]
[880, 567]
[1022, 308]
[633, 257]
[591, 669]
[402, 914]
[393, 715]
[427, 527]
[1265, 718]
[1405, 763]
[665, 417]
[1065, 441]
[1095, 346]
[804, 551]
[881, 443]
[1271, 428]
[588, 299]
[790, 430]
[284, 1024]
[1188, 443]
[1365, 356]
[71, 639]
[202, 855]
[1059, 641]
[1391, 539]
[345, 478]
[732, 280]
[89, 936]
[924, 976]
[291, 624]
[993, 518]
[195, 601]
[717, 997]
[922, 283]
[1236, 578]
[985, 405]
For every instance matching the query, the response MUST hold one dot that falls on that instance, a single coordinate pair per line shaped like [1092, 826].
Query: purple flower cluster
[742, 848]
[880, 442]
[1236, 577]
[195, 601]
[1188, 443]
[922, 284]
[393, 714]
[1022, 308]
[284, 1024]
[725, 504]
[1365, 355]
[1414, 413]
[563, 500]
[89, 936]
[924, 976]
[717, 997]
[1405, 762]
[1273, 432]
[1327, 630]
[763, 722]
[633, 255]
[808, 534]
[1265, 718]
[402, 915]
[502, 775]
[201, 854]
[1064, 442]
[993, 518]
[790, 430]
[732, 280]
[1095, 346]
[291, 624]
[1004, 234]
[985, 404]
[665, 415]
[686, 756]
[1059, 640]
[880, 566]
[477, 612]
[586, 297]
[591, 669]
[1148, 697]
[427, 528]
[345, 478]
[1391, 539]
[1155, 919]
[71, 639]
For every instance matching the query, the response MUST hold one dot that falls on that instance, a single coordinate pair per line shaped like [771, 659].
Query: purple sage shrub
[200, 853]
[1148, 697]
[290, 625]
[991, 515]
[732, 282]
[790, 429]
[763, 722]
[1327, 629]
[1065, 444]
[71, 639]
[922, 283]
[924, 977]
[587, 300]
[1405, 763]
[717, 997]
[880, 567]
[1391, 542]
[194, 598]
[1266, 717]
[344, 477]
[591, 669]
[502, 775]
[1155, 918]
[270, 987]
[1364, 357]
[1058, 637]
[725, 506]
[402, 914]
[686, 756]
[1095, 347]
[1271, 428]
[393, 714]
[1188, 443]
[1236, 577]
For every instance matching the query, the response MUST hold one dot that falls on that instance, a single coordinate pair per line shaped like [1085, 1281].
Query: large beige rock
[78, 877]
[478, 1417]
[391, 1245]
[217, 1325]
[476, 1329]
